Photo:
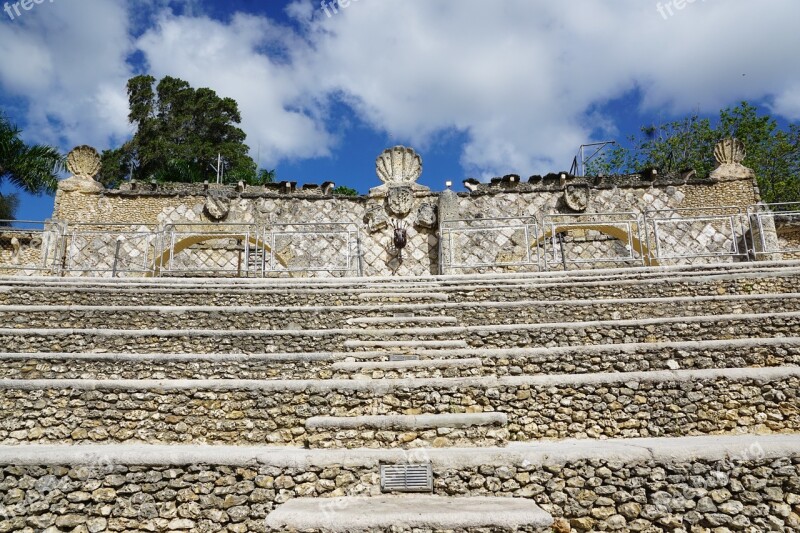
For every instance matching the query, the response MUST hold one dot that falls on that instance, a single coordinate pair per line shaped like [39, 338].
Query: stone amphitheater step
[641, 357]
[407, 431]
[404, 369]
[387, 316]
[396, 297]
[634, 283]
[114, 366]
[635, 357]
[610, 405]
[425, 283]
[744, 482]
[403, 340]
[373, 321]
[401, 346]
[409, 512]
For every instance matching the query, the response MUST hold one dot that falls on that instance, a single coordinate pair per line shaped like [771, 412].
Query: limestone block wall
[658, 404]
[588, 237]
[741, 353]
[25, 252]
[748, 490]
[295, 214]
[402, 228]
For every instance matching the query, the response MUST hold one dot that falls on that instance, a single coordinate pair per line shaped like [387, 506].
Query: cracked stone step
[439, 513]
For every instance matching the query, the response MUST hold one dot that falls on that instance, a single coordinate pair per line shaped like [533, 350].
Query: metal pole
[120, 239]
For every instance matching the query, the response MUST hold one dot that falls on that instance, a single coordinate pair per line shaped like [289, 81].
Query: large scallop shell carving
[84, 162]
[399, 166]
[730, 151]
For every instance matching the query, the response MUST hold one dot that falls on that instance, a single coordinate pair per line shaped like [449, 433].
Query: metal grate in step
[407, 478]
[400, 357]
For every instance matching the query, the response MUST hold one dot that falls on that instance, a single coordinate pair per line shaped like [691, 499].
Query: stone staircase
[616, 400]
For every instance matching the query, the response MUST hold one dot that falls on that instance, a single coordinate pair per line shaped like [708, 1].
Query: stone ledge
[459, 356]
[622, 348]
[403, 365]
[545, 453]
[420, 331]
[393, 307]
[343, 515]
[666, 272]
[386, 385]
[408, 422]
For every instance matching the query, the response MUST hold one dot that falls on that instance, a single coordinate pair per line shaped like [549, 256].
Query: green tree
[773, 153]
[180, 132]
[32, 168]
[345, 191]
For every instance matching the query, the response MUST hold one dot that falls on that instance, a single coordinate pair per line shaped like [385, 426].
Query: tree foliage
[32, 168]
[345, 191]
[180, 132]
[773, 153]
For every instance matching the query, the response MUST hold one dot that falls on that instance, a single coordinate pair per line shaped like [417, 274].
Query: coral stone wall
[162, 208]
[590, 495]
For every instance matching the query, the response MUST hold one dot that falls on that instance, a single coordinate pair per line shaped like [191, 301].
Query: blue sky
[480, 88]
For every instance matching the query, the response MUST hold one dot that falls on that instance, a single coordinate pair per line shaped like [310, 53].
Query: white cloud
[787, 103]
[523, 79]
[521, 76]
[230, 59]
[67, 60]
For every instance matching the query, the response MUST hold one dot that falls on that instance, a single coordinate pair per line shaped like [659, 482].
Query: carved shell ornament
[84, 162]
[399, 166]
[730, 151]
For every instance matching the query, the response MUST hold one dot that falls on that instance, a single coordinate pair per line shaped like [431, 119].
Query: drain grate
[398, 357]
[406, 478]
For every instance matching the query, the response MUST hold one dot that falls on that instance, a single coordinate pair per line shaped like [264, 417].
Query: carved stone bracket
[577, 197]
[217, 207]
[376, 219]
[400, 201]
[426, 216]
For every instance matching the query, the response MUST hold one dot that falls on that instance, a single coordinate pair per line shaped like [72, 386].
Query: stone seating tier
[617, 400]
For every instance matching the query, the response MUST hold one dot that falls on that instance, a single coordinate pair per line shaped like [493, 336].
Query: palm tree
[32, 168]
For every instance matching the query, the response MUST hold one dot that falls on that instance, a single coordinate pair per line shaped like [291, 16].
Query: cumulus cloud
[243, 59]
[67, 62]
[787, 103]
[524, 81]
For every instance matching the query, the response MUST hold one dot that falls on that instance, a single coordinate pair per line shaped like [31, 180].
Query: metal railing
[560, 242]
[331, 248]
[29, 246]
[696, 235]
[223, 249]
[107, 250]
[575, 240]
[487, 243]
[765, 221]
